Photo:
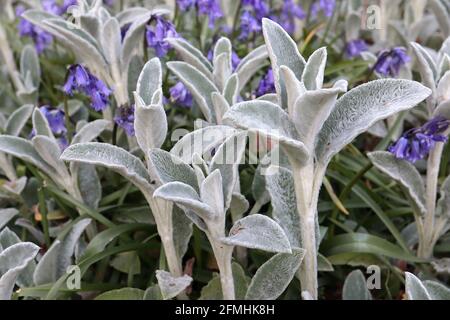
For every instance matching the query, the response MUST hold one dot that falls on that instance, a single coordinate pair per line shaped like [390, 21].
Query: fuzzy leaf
[314, 69]
[355, 287]
[18, 119]
[198, 84]
[211, 192]
[250, 64]
[404, 173]
[40, 124]
[111, 41]
[171, 286]
[90, 131]
[150, 81]
[257, 231]
[359, 109]
[201, 142]
[6, 215]
[443, 205]
[282, 51]
[13, 260]
[112, 157]
[186, 197]
[415, 290]
[231, 89]
[191, 55]
[273, 277]
[168, 168]
[436, 290]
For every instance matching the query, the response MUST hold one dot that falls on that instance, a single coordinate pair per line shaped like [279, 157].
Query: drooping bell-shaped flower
[266, 85]
[416, 143]
[180, 95]
[355, 47]
[157, 32]
[389, 62]
[125, 119]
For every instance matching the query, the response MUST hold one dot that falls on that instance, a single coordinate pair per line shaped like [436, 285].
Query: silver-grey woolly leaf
[294, 87]
[89, 184]
[186, 197]
[427, 67]
[198, 84]
[441, 15]
[165, 167]
[40, 124]
[13, 260]
[314, 71]
[415, 290]
[238, 206]
[171, 286]
[222, 71]
[132, 44]
[404, 173]
[323, 264]
[149, 136]
[23, 149]
[90, 131]
[443, 205]
[150, 81]
[280, 186]
[274, 276]
[6, 215]
[443, 89]
[250, 64]
[50, 151]
[436, 290]
[111, 41]
[231, 89]
[211, 192]
[227, 159]
[112, 157]
[360, 108]
[312, 109]
[29, 65]
[191, 55]
[257, 231]
[153, 293]
[282, 51]
[355, 287]
[201, 141]
[269, 121]
[221, 106]
[182, 231]
[45, 271]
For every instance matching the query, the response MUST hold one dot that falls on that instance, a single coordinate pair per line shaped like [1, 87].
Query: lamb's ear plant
[416, 289]
[215, 87]
[17, 263]
[205, 196]
[311, 125]
[151, 130]
[431, 216]
[94, 37]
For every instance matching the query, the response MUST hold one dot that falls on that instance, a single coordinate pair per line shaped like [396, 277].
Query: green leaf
[355, 287]
[122, 294]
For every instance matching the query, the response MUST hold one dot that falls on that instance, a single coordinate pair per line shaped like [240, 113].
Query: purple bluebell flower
[158, 32]
[185, 5]
[416, 143]
[249, 24]
[62, 142]
[259, 7]
[125, 119]
[266, 85]
[40, 38]
[80, 79]
[67, 4]
[180, 95]
[355, 47]
[210, 8]
[289, 13]
[55, 119]
[326, 6]
[51, 6]
[389, 62]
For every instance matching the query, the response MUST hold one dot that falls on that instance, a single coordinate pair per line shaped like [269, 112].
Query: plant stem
[434, 159]
[67, 121]
[223, 254]
[307, 183]
[43, 212]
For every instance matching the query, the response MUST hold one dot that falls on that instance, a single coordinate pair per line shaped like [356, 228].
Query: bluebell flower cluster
[355, 47]
[266, 85]
[180, 95]
[80, 79]
[389, 62]
[125, 119]
[158, 30]
[416, 143]
[209, 8]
